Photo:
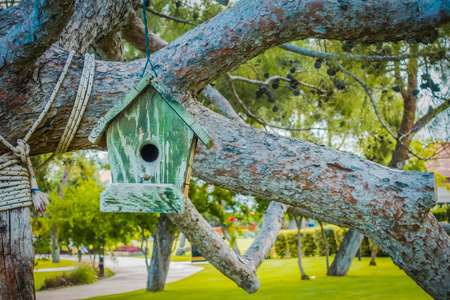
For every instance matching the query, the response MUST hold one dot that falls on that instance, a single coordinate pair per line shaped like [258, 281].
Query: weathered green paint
[141, 197]
[149, 120]
[148, 80]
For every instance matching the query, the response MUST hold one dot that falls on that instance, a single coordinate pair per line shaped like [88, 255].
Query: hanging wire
[147, 41]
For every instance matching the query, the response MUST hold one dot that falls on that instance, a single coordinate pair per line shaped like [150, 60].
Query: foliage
[41, 233]
[281, 246]
[83, 274]
[442, 213]
[308, 245]
[312, 241]
[332, 247]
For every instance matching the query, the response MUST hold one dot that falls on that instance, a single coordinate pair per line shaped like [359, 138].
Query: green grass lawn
[280, 279]
[47, 263]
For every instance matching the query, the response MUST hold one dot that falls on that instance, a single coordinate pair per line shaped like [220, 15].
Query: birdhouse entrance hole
[149, 153]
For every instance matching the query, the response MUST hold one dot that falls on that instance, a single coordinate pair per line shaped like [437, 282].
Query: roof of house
[442, 164]
[98, 131]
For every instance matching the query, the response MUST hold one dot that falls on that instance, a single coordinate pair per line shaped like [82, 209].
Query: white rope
[18, 186]
[81, 100]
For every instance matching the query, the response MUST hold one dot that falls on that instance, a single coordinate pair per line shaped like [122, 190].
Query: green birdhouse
[151, 140]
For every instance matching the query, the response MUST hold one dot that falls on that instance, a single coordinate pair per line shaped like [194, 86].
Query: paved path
[131, 275]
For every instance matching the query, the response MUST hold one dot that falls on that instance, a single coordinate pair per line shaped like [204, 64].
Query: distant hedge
[312, 241]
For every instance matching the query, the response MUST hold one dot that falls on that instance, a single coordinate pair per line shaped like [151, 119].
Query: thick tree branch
[214, 248]
[337, 56]
[91, 21]
[133, 32]
[28, 30]
[272, 222]
[278, 22]
[110, 47]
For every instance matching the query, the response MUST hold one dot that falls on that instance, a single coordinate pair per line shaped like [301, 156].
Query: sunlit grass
[280, 279]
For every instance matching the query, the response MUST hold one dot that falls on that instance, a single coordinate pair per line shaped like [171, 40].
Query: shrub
[83, 274]
[291, 241]
[308, 244]
[281, 246]
[329, 233]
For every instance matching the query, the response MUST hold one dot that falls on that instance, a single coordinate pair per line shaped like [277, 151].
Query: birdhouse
[151, 140]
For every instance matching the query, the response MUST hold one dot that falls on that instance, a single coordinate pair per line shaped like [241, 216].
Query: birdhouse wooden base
[139, 197]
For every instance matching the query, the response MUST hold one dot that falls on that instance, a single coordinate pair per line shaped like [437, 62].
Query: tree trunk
[373, 255]
[325, 245]
[54, 234]
[181, 250]
[298, 221]
[346, 253]
[55, 245]
[16, 255]
[162, 249]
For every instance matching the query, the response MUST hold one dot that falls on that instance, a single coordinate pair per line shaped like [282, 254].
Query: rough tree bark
[343, 187]
[162, 249]
[346, 253]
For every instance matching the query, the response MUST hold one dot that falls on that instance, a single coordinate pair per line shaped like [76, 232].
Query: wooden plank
[97, 133]
[104, 121]
[141, 197]
[187, 180]
[190, 121]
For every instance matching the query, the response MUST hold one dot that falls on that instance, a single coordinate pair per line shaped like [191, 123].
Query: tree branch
[110, 47]
[272, 222]
[297, 211]
[160, 14]
[269, 81]
[256, 118]
[219, 101]
[214, 248]
[91, 21]
[337, 56]
[428, 117]
[133, 31]
[28, 30]
[374, 104]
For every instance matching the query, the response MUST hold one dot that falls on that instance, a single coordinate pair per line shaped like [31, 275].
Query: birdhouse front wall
[149, 143]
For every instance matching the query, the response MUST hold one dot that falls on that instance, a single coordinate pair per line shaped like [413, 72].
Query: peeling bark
[16, 255]
[346, 253]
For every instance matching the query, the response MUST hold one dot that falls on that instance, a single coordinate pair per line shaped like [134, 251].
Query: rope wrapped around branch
[18, 185]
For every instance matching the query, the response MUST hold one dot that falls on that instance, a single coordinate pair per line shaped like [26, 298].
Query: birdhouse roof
[98, 131]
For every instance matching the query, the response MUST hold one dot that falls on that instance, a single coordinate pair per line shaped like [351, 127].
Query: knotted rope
[18, 186]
